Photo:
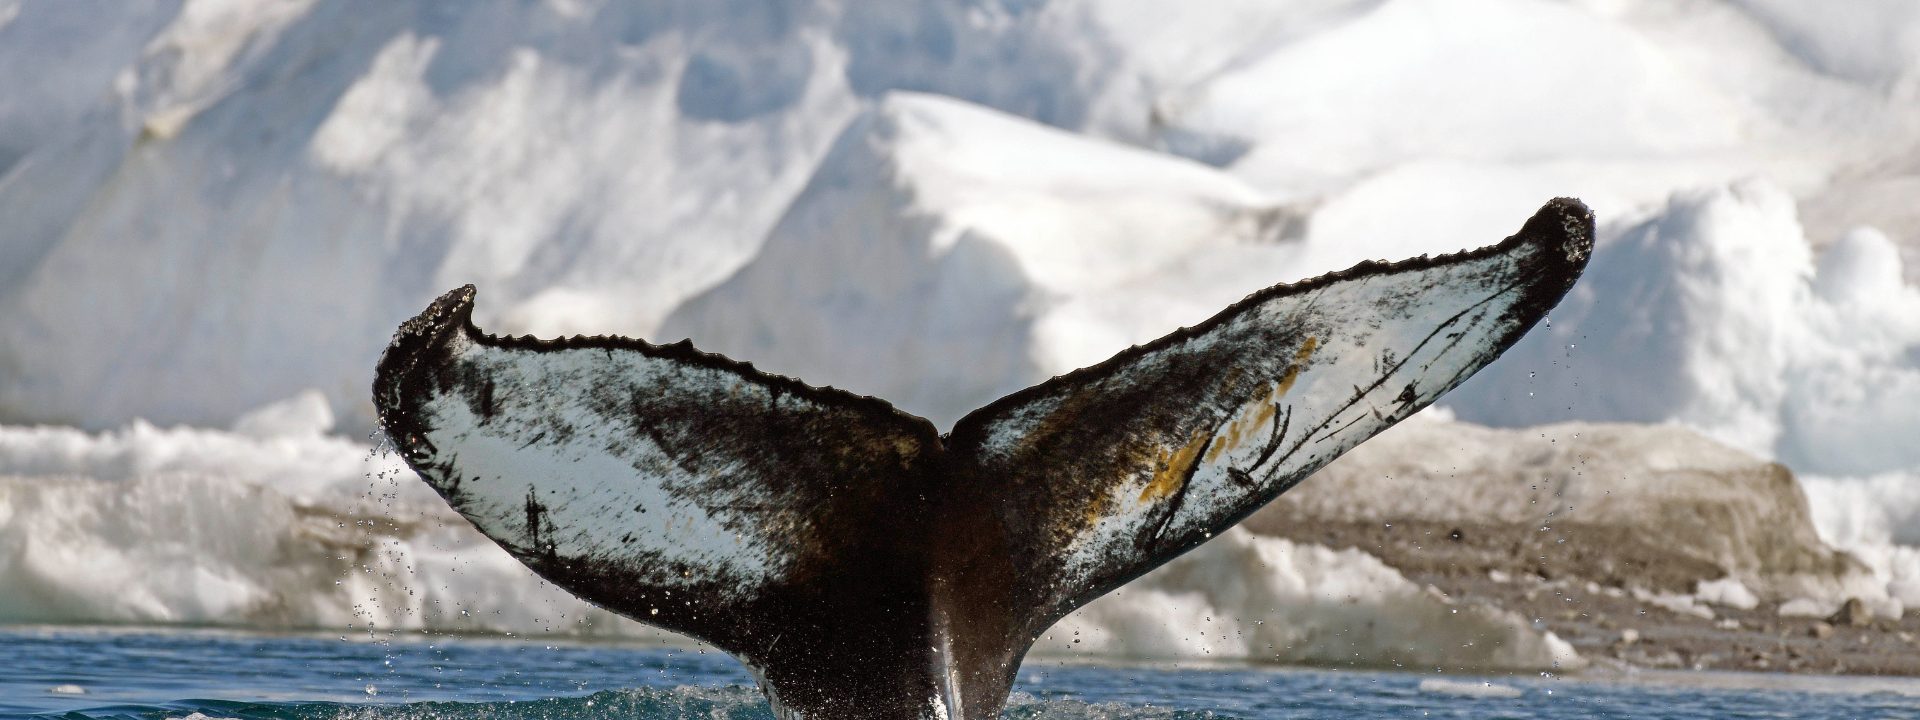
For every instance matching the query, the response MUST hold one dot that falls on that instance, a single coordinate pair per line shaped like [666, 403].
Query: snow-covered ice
[274, 525]
[1246, 597]
[937, 230]
[302, 176]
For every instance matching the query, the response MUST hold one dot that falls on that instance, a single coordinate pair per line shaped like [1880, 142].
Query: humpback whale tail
[865, 566]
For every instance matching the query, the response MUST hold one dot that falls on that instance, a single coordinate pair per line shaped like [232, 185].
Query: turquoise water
[122, 673]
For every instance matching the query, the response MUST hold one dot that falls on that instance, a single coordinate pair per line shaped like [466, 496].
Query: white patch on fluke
[615, 492]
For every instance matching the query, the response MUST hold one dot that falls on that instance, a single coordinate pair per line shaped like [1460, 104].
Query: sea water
[137, 673]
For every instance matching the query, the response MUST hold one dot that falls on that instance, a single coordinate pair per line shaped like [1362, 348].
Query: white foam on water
[1458, 688]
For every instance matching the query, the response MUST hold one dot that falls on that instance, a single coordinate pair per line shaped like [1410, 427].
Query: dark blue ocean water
[131, 673]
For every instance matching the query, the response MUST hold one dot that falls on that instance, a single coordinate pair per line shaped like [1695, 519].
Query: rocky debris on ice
[1651, 545]
[1710, 511]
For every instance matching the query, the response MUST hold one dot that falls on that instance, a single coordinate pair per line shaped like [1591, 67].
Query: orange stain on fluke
[1300, 358]
[1264, 409]
[1173, 467]
[1096, 509]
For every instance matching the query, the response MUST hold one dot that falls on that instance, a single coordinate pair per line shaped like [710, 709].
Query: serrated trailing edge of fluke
[453, 311]
[1564, 223]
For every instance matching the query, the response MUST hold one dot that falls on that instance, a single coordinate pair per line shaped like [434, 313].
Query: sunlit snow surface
[219, 205]
[155, 675]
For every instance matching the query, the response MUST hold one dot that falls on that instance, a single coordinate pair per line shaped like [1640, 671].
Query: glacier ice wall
[247, 197]
[212, 204]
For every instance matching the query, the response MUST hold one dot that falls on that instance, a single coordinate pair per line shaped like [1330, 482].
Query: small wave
[1468, 689]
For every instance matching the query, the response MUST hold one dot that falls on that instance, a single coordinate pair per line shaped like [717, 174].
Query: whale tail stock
[863, 565]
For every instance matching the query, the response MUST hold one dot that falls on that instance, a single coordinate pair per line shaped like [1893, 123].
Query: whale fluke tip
[1566, 223]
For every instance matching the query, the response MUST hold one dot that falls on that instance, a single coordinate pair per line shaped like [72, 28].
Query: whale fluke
[865, 566]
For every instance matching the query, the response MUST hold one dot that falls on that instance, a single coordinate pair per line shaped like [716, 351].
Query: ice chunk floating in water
[866, 566]
[1482, 689]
